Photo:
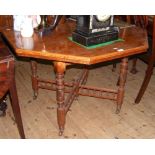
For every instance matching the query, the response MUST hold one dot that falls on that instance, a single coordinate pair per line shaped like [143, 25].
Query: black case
[89, 31]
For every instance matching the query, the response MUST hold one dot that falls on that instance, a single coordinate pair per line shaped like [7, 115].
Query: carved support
[86, 76]
[60, 68]
[34, 78]
[122, 80]
[75, 89]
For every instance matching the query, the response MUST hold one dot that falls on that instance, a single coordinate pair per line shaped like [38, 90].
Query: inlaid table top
[56, 45]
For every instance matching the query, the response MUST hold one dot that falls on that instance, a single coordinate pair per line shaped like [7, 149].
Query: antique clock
[95, 29]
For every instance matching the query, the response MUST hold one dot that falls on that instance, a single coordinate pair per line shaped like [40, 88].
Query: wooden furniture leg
[149, 70]
[114, 67]
[144, 84]
[15, 104]
[146, 80]
[34, 78]
[134, 69]
[122, 80]
[60, 95]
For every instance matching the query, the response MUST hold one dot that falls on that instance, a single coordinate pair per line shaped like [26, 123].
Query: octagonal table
[56, 46]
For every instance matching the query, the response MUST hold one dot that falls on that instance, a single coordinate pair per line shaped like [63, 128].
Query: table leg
[122, 80]
[34, 78]
[61, 113]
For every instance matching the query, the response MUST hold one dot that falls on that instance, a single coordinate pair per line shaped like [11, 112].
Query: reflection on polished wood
[57, 47]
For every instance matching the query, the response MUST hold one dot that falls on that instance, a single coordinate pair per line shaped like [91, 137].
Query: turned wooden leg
[122, 80]
[34, 78]
[134, 69]
[145, 83]
[16, 108]
[118, 81]
[114, 67]
[61, 114]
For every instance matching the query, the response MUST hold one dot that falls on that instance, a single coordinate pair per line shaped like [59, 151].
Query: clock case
[90, 31]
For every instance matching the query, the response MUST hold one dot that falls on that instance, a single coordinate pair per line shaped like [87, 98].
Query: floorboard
[89, 117]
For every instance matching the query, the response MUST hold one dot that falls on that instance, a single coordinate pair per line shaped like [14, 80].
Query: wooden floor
[89, 117]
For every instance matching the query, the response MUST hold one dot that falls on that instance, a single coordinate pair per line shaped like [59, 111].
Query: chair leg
[16, 108]
[134, 69]
[149, 70]
[144, 84]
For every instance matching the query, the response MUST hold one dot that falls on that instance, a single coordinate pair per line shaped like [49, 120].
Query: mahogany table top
[56, 45]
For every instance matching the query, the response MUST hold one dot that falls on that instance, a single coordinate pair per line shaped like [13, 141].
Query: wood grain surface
[56, 46]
